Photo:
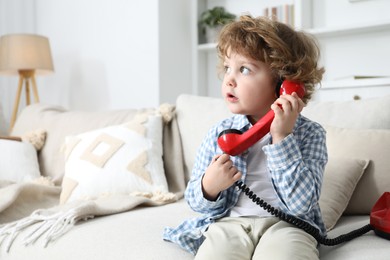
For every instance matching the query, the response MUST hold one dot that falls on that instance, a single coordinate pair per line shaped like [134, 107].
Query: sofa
[123, 224]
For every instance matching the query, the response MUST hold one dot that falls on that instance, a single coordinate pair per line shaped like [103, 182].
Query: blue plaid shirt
[296, 166]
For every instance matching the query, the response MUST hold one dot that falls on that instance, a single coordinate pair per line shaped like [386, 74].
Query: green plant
[215, 17]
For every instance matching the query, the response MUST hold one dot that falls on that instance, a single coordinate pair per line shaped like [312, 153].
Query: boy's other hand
[220, 175]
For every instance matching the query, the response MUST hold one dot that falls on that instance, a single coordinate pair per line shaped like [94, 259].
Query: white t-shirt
[259, 181]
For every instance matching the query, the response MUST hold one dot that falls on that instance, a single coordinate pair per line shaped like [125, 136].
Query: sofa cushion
[368, 246]
[340, 179]
[136, 234]
[363, 143]
[195, 116]
[120, 159]
[373, 113]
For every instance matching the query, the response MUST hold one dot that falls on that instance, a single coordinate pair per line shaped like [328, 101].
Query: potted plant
[212, 20]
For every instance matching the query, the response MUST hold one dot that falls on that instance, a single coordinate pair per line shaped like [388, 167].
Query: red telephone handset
[234, 142]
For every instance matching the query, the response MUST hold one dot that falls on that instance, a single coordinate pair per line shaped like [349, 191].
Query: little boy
[285, 167]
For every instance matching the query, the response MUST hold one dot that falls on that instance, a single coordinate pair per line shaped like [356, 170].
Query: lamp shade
[25, 52]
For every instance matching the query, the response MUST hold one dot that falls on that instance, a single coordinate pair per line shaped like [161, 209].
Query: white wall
[174, 49]
[107, 54]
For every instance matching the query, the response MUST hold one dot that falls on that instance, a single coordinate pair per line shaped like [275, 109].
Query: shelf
[329, 32]
[207, 47]
[357, 34]
[357, 83]
[351, 29]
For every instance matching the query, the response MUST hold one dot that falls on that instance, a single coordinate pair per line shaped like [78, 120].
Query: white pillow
[121, 159]
[18, 161]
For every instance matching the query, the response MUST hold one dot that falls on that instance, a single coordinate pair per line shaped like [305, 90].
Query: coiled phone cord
[302, 224]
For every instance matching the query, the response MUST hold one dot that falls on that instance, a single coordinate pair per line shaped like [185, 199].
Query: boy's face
[248, 86]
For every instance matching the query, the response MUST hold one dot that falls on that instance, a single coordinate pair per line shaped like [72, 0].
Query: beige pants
[256, 238]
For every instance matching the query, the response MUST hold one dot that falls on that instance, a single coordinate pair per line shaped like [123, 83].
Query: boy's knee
[226, 241]
[283, 241]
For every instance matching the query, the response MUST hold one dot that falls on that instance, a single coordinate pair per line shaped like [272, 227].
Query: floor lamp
[25, 55]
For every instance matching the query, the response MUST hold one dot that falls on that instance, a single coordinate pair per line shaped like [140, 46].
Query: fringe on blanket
[50, 226]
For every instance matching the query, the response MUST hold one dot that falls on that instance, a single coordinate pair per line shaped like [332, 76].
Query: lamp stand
[25, 76]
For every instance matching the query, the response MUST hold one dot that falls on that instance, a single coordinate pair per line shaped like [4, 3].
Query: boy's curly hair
[291, 55]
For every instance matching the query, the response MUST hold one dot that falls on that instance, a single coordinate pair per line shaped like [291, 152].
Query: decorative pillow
[340, 179]
[120, 159]
[18, 161]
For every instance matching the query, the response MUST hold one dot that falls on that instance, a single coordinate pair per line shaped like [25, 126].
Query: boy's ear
[277, 88]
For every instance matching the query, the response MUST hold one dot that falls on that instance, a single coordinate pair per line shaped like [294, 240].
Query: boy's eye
[245, 70]
[227, 69]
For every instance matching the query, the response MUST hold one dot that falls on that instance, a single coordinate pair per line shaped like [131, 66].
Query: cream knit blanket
[32, 210]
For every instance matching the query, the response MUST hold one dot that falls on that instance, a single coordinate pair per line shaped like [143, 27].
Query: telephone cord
[300, 223]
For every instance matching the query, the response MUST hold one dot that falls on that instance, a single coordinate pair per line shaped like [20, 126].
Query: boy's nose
[230, 81]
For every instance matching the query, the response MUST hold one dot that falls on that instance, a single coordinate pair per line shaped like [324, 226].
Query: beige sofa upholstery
[356, 129]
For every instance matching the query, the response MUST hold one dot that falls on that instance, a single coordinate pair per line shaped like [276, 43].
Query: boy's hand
[286, 116]
[220, 175]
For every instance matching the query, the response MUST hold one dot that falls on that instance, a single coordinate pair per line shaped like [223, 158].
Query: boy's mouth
[231, 97]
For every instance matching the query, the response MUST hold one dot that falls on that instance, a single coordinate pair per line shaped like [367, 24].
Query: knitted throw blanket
[32, 210]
